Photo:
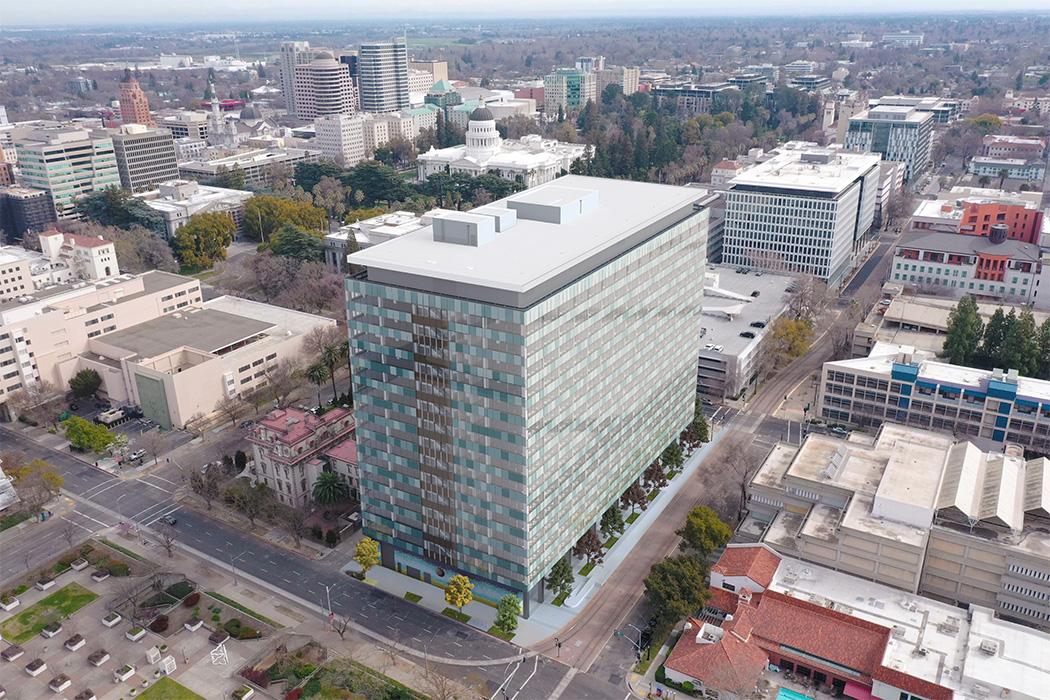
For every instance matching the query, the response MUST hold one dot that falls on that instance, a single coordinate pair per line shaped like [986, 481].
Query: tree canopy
[85, 435]
[704, 532]
[676, 587]
[114, 206]
[85, 383]
[202, 241]
[459, 592]
[291, 241]
[965, 328]
[264, 215]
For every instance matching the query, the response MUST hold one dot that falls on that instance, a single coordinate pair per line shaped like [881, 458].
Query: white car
[137, 454]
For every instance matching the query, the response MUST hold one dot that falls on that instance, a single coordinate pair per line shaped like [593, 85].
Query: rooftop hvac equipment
[989, 646]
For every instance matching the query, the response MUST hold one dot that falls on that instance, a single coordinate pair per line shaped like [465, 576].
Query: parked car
[103, 406]
[170, 520]
[245, 424]
[137, 454]
[74, 407]
[838, 430]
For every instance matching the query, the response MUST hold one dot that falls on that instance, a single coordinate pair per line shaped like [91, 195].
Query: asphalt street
[144, 500]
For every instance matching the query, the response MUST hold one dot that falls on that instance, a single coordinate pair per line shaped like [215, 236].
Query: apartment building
[67, 163]
[988, 267]
[848, 637]
[293, 55]
[916, 510]
[152, 338]
[145, 156]
[477, 473]
[1027, 170]
[177, 200]
[291, 448]
[382, 76]
[568, 89]
[899, 384]
[624, 76]
[692, 98]
[255, 163]
[806, 210]
[897, 133]
[323, 86]
[24, 210]
[1003, 146]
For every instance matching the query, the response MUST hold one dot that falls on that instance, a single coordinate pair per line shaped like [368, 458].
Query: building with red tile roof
[747, 565]
[720, 658]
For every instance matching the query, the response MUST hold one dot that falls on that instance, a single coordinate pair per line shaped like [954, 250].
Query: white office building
[341, 137]
[806, 210]
[145, 156]
[293, 54]
[905, 38]
[323, 86]
[898, 132]
[531, 160]
[382, 76]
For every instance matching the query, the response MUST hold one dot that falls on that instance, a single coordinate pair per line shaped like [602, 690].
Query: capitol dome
[482, 114]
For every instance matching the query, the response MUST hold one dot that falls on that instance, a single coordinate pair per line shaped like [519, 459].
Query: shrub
[180, 589]
[331, 538]
[248, 633]
[294, 694]
[317, 533]
[661, 674]
[232, 626]
[687, 686]
[115, 567]
[191, 600]
[159, 624]
[259, 677]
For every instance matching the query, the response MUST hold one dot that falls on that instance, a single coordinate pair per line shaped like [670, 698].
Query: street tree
[560, 580]
[329, 488]
[703, 532]
[153, 442]
[87, 436]
[507, 611]
[459, 592]
[366, 554]
[318, 374]
[965, 329]
[672, 456]
[251, 500]
[294, 520]
[700, 428]
[675, 588]
[36, 481]
[203, 239]
[740, 461]
[39, 402]
[340, 624]
[69, 532]
[281, 380]
[85, 383]
[612, 521]
[654, 475]
[589, 547]
[206, 484]
[232, 407]
[635, 497]
[810, 298]
[167, 535]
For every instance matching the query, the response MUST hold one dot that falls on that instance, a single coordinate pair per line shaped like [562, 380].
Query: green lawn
[560, 599]
[167, 689]
[611, 541]
[456, 615]
[56, 607]
[496, 632]
[587, 568]
[9, 521]
[412, 597]
[631, 518]
[245, 609]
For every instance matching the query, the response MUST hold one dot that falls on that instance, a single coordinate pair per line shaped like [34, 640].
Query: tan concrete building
[915, 510]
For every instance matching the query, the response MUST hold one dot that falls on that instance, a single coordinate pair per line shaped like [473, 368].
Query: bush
[661, 674]
[115, 567]
[331, 538]
[232, 626]
[294, 694]
[191, 600]
[687, 686]
[248, 633]
[257, 676]
[317, 533]
[180, 589]
[159, 624]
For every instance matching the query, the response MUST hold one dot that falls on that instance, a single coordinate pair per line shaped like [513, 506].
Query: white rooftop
[809, 169]
[597, 219]
[729, 309]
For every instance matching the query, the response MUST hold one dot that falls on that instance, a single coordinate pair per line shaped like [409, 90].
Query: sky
[81, 12]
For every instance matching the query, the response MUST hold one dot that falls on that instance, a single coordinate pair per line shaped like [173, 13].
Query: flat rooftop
[729, 308]
[811, 169]
[534, 258]
[969, 245]
[206, 330]
[893, 114]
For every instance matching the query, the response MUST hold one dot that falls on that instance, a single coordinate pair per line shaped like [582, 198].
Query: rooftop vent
[989, 646]
[504, 218]
[821, 157]
[464, 229]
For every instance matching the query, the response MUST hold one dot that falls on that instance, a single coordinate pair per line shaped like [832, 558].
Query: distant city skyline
[69, 13]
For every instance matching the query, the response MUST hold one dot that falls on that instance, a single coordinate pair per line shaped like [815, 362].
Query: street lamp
[328, 595]
[557, 645]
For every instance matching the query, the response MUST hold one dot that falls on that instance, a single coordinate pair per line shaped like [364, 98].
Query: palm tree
[329, 489]
[344, 350]
[318, 374]
[331, 356]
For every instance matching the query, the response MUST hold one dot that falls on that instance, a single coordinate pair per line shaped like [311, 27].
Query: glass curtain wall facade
[491, 438]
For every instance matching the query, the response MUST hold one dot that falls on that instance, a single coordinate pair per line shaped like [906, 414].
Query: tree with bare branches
[294, 520]
[69, 532]
[40, 402]
[167, 535]
[281, 380]
[232, 407]
[340, 624]
[741, 461]
[153, 442]
[206, 484]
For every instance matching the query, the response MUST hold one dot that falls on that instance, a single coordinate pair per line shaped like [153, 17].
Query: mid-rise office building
[188, 148]
[177, 200]
[898, 133]
[67, 163]
[624, 76]
[186, 125]
[799, 67]
[1027, 170]
[809, 82]
[491, 434]
[905, 38]
[944, 110]
[590, 64]
[341, 137]
[899, 384]
[746, 80]
[690, 98]
[145, 156]
[382, 76]
[24, 210]
[770, 71]
[568, 89]
[438, 69]
[134, 107]
[1003, 146]
[975, 210]
[293, 55]
[256, 164]
[806, 210]
[323, 86]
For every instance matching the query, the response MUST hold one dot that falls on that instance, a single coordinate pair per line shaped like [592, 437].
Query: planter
[218, 637]
[85, 695]
[112, 619]
[99, 576]
[97, 658]
[79, 565]
[12, 652]
[45, 583]
[193, 625]
[50, 630]
[123, 673]
[60, 683]
[243, 693]
[10, 605]
[135, 634]
[35, 667]
[75, 642]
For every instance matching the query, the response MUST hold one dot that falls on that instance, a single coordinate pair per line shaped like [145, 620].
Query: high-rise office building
[145, 156]
[438, 69]
[568, 88]
[293, 53]
[134, 107]
[341, 138]
[806, 210]
[900, 133]
[517, 367]
[382, 76]
[67, 162]
[323, 86]
[24, 210]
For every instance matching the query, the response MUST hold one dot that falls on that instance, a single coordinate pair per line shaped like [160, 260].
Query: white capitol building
[532, 159]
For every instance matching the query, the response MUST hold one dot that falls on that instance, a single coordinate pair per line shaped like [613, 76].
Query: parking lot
[136, 430]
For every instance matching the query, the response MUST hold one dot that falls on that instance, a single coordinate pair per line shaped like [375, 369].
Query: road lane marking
[162, 490]
[91, 530]
[162, 515]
